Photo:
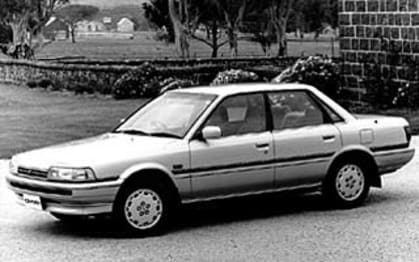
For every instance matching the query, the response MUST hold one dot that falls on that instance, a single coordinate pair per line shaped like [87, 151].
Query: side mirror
[211, 132]
[122, 120]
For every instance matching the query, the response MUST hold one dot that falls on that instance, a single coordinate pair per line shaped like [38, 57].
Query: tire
[347, 185]
[144, 208]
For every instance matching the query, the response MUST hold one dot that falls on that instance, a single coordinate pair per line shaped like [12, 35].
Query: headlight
[12, 167]
[71, 174]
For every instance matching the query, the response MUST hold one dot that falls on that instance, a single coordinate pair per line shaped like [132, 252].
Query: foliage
[235, 76]
[26, 20]
[173, 83]
[318, 71]
[157, 13]
[142, 82]
[5, 34]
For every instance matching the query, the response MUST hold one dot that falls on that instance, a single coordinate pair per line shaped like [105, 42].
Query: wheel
[68, 218]
[347, 185]
[144, 208]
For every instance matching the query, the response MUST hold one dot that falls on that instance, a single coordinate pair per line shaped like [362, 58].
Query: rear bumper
[66, 198]
[390, 161]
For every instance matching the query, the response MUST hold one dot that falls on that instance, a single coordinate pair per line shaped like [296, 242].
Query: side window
[239, 115]
[294, 109]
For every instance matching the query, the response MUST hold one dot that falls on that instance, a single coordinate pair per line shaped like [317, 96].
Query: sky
[108, 3]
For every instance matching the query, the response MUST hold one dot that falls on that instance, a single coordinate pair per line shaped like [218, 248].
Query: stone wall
[103, 74]
[377, 33]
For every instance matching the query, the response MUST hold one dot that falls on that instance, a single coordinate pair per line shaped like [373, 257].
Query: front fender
[145, 166]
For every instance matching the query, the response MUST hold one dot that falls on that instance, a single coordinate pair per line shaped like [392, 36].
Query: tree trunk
[232, 40]
[181, 38]
[214, 29]
[72, 32]
[282, 42]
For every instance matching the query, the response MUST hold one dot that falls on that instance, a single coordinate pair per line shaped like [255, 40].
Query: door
[240, 160]
[305, 138]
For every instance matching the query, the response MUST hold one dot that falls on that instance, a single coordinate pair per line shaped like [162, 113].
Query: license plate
[32, 201]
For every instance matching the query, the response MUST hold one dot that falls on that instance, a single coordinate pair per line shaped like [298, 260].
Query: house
[125, 25]
[56, 29]
[90, 26]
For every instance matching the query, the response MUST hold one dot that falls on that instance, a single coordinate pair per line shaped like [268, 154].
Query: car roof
[231, 89]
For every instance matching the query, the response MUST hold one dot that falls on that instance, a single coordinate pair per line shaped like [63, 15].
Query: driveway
[274, 228]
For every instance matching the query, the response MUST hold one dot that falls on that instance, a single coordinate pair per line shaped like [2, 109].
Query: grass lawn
[143, 46]
[32, 118]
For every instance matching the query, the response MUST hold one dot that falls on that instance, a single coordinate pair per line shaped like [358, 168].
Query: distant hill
[108, 3]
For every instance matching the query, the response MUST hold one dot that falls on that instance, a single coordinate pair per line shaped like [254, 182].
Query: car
[208, 143]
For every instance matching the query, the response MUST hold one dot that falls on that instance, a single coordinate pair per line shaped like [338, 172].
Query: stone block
[403, 5]
[372, 6]
[413, 5]
[365, 19]
[395, 33]
[360, 31]
[345, 19]
[347, 31]
[356, 19]
[415, 19]
[349, 6]
[355, 44]
[364, 44]
[345, 44]
[360, 6]
[406, 19]
[391, 5]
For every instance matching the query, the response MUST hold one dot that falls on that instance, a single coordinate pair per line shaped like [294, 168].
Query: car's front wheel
[347, 185]
[144, 208]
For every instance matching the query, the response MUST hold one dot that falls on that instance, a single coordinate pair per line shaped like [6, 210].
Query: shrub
[32, 83]
[318, 71]
[44, 83]
[172, 83]
[142, 82]
[235, 76]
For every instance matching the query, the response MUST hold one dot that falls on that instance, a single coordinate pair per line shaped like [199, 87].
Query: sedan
[207, 143]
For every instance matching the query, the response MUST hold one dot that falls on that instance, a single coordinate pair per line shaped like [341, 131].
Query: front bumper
[390, 161]
[67, 198]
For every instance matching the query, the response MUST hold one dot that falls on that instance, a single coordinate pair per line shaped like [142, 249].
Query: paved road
[280, 228]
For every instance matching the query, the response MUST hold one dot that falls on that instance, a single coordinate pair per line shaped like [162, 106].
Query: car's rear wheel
[347, 185]
[144, 208]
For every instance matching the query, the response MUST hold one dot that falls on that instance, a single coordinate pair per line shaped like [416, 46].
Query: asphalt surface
[274, 228]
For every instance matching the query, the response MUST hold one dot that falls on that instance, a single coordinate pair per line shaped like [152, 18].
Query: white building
[125, 25]
[90, 26]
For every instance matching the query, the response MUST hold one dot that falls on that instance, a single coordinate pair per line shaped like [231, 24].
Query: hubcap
[350, 182]
[143, 209]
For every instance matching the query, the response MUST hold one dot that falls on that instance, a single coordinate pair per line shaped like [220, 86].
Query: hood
[94, 151]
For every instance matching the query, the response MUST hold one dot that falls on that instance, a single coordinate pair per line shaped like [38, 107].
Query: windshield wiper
[165, 134]
[133, 132]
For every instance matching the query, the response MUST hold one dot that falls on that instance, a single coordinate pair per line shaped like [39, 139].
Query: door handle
[262, 146]
[329, 138]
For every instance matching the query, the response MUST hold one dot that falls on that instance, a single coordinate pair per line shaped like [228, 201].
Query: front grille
[32, 173]
[41, 189]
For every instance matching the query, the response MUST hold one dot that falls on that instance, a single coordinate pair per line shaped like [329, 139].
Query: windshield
[170, 115]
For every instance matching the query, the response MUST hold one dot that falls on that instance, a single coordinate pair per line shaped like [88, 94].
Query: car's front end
[69, 191]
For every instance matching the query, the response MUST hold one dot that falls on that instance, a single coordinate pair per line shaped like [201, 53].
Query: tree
[179, 15]
[279, 12]
[72, 14]
[157, 13]
[233, 12]
[208, 16]
[26, 18]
